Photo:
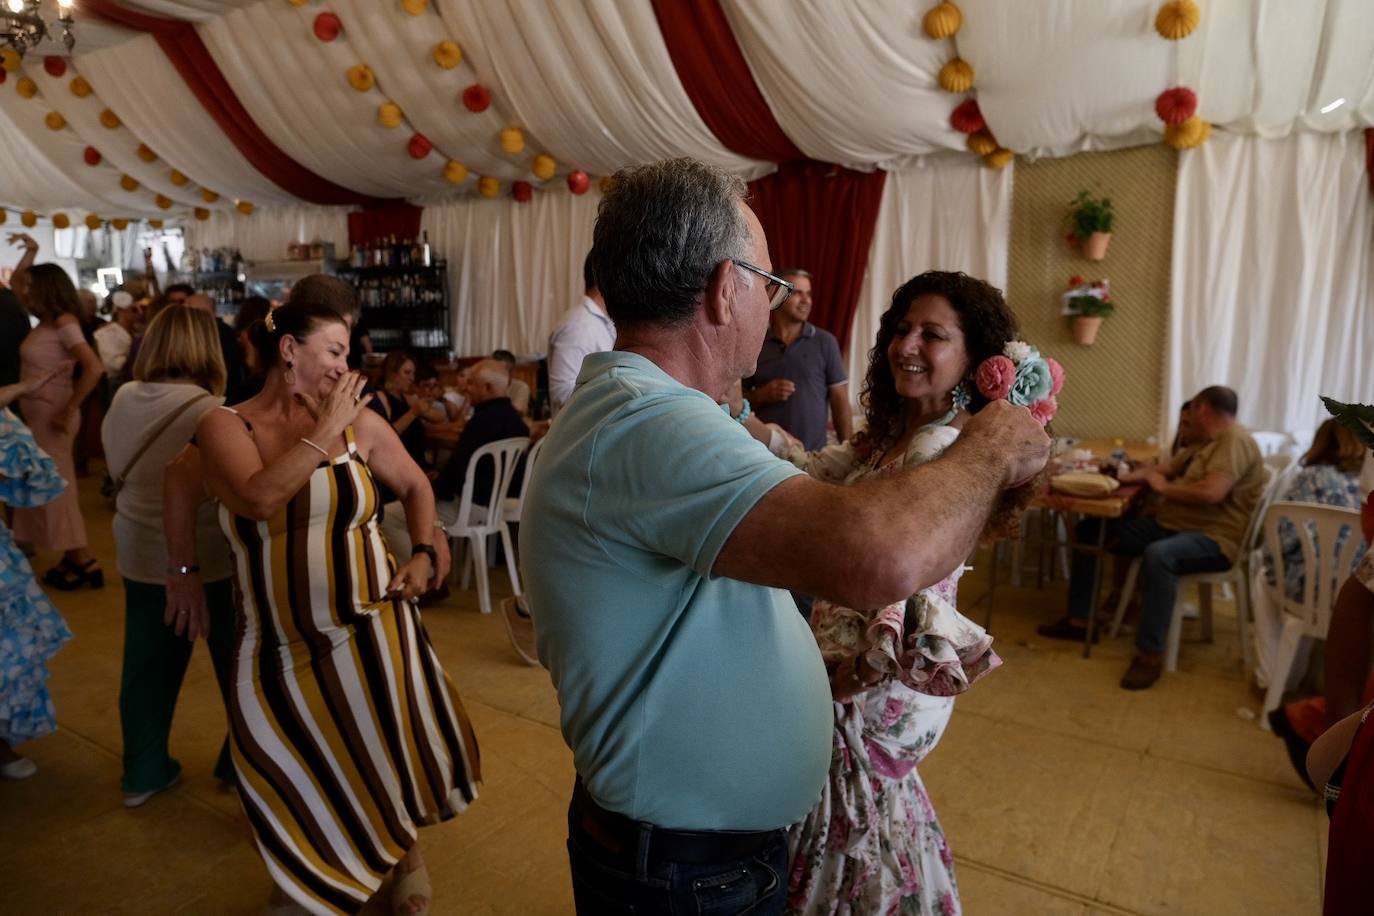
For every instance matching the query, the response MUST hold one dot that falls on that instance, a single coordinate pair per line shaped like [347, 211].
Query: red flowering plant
[1086, 299]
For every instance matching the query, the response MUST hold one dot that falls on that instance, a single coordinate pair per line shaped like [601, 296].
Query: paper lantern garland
[163, 203]
[119, 224]
[155, 223]
[10, 59]
[1174, 106]
[208, 196]
[128, 183]
[488, 186]
[389, 115]
[543, 167]
[455, 172]
[54, 120]
[361, 77]
[521, 191]
[1191, 134]
[956, 76]
[201, 213]
[29, 218]
[146, 154]
[447, 54]
[981, 143]
[578, 181]
[967, 118]
[477, 98]
[80, 87]
[245, 208]
[327, 26]
[419, 146]
[55, 66]
[177, 178]
[26, 88]
[943, 21]
[93, 222]
[92, 156]
[513, 140]
[1177, 19]
[61, 221]
[108, 119]
[414, 7]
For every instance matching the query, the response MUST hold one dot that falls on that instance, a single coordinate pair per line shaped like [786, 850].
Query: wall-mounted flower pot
[1085, 330]
[1095, 246]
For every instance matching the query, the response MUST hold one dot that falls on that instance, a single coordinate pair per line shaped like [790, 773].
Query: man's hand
[1015, 433]
[774, 392]
[1156, 480]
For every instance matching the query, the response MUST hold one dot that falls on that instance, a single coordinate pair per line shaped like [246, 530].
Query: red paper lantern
[419, 146]
[1174, 106]
[967, 118]
[92, 156]
[477, 97]
[579, 181]
[55, 65]
[327, 26]
[521, 191]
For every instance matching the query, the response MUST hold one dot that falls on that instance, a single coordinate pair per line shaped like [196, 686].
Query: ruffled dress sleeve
[28, 476]
[833, 464]
[923, 642]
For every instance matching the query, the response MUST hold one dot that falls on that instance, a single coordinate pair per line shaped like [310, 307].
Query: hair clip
[271, 325]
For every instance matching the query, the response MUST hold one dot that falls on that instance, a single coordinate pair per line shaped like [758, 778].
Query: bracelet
[428, 551]
[743, 412]
[314, 446]
[182, 570]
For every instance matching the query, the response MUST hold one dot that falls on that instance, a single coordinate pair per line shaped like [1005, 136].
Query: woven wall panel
[1114, 387]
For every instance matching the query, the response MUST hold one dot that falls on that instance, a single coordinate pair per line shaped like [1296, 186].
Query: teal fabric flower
[1033, 382]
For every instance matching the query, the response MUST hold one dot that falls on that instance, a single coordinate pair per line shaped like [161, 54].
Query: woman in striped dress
[347, 734]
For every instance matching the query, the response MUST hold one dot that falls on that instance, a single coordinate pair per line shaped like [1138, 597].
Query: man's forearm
[1191, 493]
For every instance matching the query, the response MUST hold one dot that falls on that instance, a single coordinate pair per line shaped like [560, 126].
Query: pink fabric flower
[1044, 410]
[1056, 375]
[995, 377]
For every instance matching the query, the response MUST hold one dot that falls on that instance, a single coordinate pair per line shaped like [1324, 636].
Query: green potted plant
[1090, 224]
[1087, 304]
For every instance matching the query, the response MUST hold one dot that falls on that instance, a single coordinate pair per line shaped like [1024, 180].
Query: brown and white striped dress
[347, 733]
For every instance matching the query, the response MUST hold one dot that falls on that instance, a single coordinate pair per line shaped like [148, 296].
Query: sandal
[68, 576]
[414, 883]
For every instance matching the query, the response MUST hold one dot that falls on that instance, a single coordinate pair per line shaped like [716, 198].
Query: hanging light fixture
[23, 25]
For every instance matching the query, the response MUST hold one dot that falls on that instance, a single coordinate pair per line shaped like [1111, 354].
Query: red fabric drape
[372, 224]
[716, 76]
[1369, 155]
[183, 46]
[821, 218]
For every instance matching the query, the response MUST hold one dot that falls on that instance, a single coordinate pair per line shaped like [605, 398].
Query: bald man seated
[493, 418]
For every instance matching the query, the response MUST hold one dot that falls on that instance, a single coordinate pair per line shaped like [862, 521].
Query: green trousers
[155, 660]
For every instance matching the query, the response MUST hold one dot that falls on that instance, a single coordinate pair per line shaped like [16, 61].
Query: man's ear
[719, 298]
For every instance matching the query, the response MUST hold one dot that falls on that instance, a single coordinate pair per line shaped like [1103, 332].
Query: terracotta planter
[1095, 246]
[1085, 330]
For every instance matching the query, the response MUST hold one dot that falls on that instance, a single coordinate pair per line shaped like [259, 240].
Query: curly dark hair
[984, 318]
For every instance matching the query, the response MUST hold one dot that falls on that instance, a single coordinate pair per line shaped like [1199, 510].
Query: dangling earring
[962, 396]
[289, 376]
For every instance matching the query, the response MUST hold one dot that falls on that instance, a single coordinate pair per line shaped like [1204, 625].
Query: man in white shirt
[584, 329]
[115, 338]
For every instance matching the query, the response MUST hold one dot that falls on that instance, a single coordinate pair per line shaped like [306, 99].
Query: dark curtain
[821, 218]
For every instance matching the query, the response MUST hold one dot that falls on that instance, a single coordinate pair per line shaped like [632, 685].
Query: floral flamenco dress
[31, 629]
[873, 845]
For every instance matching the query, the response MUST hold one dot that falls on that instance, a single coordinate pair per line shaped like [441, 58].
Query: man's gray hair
[660, 231]
[493, 373]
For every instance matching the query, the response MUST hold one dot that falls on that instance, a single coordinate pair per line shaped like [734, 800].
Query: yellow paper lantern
[202, 213]
[128, 182]
[61, 221]
[513, 140]
[177, 178]
[981, 143]
[298, 2]
[163, 203]
[543, 167]
[80, 88]
[146, 154]
[942, 21]
[999, 158]
[26, 88]
[208, 196]
[1177, 19]
[455, 172]
[4, 215]
[488, 186]
[244, 207]
[54, 120]
[119, 224]
[956, 76]
[93, 222]
[607, 184]
[29, 218]
[414, 7]
[155, 224]
[1190, 134]
[361, 77]
[389, 114]
[447, 54]
[108, 119]
[10, 60]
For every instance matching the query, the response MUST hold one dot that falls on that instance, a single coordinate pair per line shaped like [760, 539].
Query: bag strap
[162, 427]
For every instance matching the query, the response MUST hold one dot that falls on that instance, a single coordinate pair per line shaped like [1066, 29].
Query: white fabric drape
[1273, 276]
[513, 268]
[265, 235]
[852, 83]
[947, 214]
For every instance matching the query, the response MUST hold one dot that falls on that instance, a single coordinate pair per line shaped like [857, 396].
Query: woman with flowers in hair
[945, 348]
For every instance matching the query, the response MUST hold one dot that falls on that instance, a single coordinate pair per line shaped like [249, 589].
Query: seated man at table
[493, 418]
[1208, 493]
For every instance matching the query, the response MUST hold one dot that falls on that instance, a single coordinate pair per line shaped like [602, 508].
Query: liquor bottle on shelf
[425, 259]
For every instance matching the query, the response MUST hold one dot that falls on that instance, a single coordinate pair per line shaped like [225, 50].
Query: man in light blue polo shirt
[659, 534]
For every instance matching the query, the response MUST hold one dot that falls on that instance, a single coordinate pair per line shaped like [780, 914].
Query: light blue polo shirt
[689, 701]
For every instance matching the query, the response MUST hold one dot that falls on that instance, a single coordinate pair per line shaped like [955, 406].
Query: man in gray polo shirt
[659, 535]
[800, 376]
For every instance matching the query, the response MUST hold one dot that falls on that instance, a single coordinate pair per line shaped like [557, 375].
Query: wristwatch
[428, 551]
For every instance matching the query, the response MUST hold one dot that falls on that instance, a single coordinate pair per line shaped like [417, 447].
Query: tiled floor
[1061, 793]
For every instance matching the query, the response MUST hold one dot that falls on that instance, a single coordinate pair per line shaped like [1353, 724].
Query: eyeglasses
[777, 288]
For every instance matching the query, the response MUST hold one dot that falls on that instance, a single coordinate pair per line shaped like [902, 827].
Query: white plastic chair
[478, 521]
[514, 505]
[1299, 441]
[1326, 565]
[1279, 461]
[1235, 578]
[1271, 443]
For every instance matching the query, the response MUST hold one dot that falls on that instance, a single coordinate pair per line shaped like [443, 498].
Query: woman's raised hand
[339, 409]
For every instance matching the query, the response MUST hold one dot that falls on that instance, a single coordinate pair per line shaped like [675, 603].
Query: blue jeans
[1165, 555]
[607, 883]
